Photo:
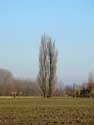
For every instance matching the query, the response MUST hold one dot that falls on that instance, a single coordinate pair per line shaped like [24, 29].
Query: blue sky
[69, 22]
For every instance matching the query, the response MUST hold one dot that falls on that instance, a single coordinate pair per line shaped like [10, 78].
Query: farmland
[51, 111]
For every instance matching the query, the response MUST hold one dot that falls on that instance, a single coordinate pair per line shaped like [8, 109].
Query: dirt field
[52, 111]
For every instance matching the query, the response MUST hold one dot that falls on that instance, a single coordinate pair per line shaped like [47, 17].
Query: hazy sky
[69, 22]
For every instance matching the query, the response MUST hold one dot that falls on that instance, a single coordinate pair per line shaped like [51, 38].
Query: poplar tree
[47, 66]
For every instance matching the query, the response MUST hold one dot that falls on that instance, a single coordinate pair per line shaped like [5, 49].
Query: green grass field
[51, 111]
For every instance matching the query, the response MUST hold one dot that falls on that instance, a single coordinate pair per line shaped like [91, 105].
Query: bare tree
[52, 54]
[47, 71]
[6, 80]
[43, 80]
[91, 84]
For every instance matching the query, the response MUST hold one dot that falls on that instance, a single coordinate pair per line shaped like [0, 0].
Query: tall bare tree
[52, 54]
[91, 84]
[43, 66]
[47, 71]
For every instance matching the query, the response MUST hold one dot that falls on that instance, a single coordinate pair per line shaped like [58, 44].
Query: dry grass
[52, 111]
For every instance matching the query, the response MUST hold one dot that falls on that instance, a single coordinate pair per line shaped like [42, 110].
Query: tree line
[45, 84]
